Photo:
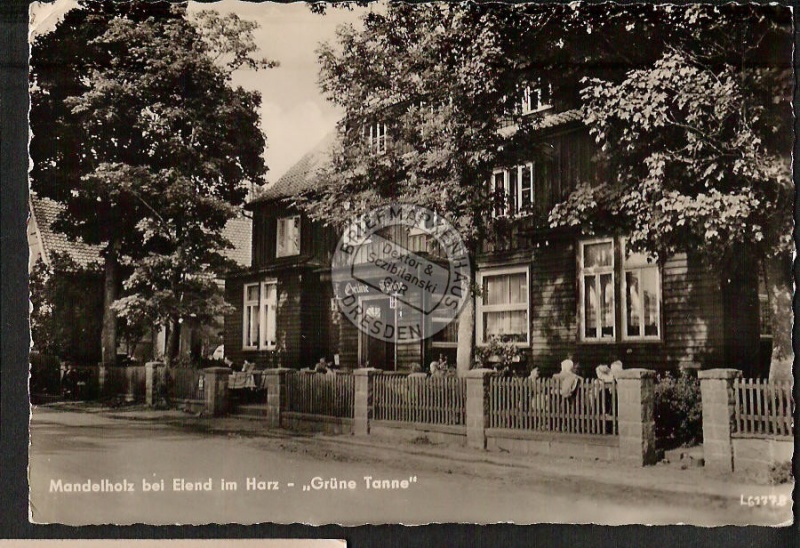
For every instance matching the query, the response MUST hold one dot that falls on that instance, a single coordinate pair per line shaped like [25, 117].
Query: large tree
[433, 73]
[447, 79]
[699, 145]
[139, 133]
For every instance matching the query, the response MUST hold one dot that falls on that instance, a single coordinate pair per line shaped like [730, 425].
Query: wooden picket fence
[763, 408]
[429, 400]
[331, 394]
[537, 405]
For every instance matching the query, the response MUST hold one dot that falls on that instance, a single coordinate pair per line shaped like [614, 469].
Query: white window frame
[268, 333]
[493, 186]
[267, 314]
[526, 306]
[255, 305]
[376, 137]
[281, 249]
[532, 91]
[596, 272]
[631, 267]
[520, 208]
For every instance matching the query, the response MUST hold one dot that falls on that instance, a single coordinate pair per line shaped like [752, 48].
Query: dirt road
[95, 468]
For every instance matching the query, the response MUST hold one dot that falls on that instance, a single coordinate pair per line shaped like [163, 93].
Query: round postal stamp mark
[400, 273]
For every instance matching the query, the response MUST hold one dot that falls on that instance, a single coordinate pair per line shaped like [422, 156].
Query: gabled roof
[239, 231]
[44, 212]
[302, 176]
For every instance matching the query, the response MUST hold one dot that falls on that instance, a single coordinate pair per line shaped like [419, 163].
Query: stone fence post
[275, 381]
[718, 398]
[150, 382]
[364, 404]
[636, 416]
[477, 406]
[216, 389]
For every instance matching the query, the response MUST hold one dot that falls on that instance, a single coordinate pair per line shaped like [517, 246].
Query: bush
[678, 409]
[498, 352]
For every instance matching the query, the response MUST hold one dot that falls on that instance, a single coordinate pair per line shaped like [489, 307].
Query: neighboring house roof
[302, 175]
[44, 211]
[240, 233]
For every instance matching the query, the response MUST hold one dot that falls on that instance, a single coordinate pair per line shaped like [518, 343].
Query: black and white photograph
[396, 263]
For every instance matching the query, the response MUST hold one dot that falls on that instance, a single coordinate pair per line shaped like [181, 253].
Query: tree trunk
[108, 336]
[740, 319]
[779, 285]
[466, 331]
[173, 342]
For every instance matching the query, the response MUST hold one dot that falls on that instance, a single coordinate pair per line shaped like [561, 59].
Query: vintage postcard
[399, 263]
[175, 543]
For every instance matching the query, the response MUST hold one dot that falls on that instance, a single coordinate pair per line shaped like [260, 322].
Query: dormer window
[375, 135]
[288, 236]
[537, 97]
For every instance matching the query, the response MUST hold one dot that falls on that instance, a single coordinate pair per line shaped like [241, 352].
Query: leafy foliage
[447, 78]
[139, 132]
[678, 409]
[506, 352]
[65, 313]
[692, 167]
[688, 121]
[697, 145]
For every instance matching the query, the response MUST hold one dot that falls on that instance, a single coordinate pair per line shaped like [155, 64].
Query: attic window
[536, 97]
[288, 237]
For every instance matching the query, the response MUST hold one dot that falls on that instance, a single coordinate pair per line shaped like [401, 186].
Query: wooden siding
[299, 317]
[691, 314]
[568, 161]
[316, 242]
[692, 329]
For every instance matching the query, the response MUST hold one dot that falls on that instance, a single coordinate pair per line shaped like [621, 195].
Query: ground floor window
[503, 305]
[600, 263]
[641, 294]
[596, 276]
[260, 306]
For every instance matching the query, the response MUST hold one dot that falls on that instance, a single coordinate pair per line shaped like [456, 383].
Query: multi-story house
[554, 293]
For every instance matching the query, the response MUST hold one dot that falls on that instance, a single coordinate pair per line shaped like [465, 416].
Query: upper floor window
[641, 297]
[375, 135]
[536, 97]
[288, 236]
[513, 190]
[503, 305]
